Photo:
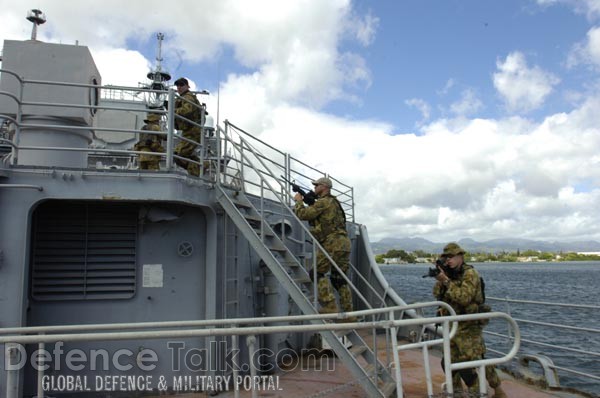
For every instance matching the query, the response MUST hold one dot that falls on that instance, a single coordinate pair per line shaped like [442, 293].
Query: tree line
[504, 256]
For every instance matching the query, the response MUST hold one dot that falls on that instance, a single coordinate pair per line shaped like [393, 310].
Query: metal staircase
[362, 362]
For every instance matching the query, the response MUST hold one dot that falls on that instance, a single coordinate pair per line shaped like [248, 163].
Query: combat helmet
[152, 118]
[452, 249]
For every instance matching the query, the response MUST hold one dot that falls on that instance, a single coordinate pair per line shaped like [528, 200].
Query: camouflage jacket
[463, 292]
[149, 141]
[325, 217]
[187, 106]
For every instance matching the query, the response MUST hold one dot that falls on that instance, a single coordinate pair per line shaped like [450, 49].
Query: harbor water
[557, 282]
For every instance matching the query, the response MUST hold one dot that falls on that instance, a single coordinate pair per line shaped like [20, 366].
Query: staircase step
[388, 389]
[343, 332]
[241, 205]
[280, 249]
[268, 233]
[369, 369]
[302, 279]
[252, 218]
[295, 281]
[290, 264]
[356, 350]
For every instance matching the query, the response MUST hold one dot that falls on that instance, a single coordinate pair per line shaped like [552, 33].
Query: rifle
[307, 197]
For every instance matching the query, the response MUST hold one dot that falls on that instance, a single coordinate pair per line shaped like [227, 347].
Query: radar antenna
[159, 78]
[36, 17]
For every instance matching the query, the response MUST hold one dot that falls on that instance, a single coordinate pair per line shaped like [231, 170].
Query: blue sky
[424, 46]
[451, 118]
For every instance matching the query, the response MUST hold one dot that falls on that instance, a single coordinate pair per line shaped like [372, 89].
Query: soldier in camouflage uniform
[328, 224]
[150, 143]
[188, 107]
[460, 286]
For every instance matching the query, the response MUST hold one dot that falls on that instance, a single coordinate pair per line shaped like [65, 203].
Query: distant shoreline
[499, 262]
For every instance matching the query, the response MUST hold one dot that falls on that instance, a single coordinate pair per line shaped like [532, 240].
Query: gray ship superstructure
[87, 238]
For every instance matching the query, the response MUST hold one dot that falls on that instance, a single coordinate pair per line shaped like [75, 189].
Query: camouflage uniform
[463, 292]
[150, 143]
[328, 225]
[188, 107]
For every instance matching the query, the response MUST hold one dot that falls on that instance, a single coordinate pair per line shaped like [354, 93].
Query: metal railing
[262, 180]
[296, 169]
[549, 369]
[40, 335]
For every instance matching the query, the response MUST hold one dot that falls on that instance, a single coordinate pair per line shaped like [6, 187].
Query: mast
[159, 78]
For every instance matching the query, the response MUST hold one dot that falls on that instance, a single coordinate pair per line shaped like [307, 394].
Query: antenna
[36, 17]
[218, 90]
[158, 77]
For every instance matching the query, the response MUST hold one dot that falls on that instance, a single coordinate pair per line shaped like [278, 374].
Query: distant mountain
[489, 246]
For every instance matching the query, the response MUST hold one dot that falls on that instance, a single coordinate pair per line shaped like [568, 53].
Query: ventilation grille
[84, 251]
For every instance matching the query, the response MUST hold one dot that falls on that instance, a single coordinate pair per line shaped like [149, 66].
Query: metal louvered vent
[84, 251]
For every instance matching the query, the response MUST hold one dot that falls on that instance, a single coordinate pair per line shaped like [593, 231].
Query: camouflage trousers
[468, 345]
[338, 247]
[187, 150]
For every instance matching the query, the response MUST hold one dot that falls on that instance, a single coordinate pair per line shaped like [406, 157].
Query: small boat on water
[118, 281]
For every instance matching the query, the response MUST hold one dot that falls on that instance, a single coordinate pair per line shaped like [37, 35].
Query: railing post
[428, 378]
[11, 352]
[399, 390]
[447, 359]
[235, 364]
[220, 154]
[251, 342]
[40, 374]
[19, 117]
[482, 381]
[170, 129]
[315, 274]
[352, 193]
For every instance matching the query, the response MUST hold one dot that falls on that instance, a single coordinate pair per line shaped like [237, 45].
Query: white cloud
[366, 29]
[588, 51]
[591, 8]
[422, 106]
[468, 104]
[114, 72]
[460, 177]
[521, 87]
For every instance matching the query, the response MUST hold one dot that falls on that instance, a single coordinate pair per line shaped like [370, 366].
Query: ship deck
[313, 379]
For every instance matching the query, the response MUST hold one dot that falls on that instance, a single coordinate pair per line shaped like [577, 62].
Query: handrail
[8, 335]
[583, 352]
[480, 363]
[11, 337]
[588, 306]
[315, 243]
[234, 327]
[346, 192]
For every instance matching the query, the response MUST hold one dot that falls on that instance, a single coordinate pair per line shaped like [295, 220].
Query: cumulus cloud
[458, 177]
[522, 88]
[587, 51]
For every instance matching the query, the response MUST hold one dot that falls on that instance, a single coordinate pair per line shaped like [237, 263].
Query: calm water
[570, 283]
